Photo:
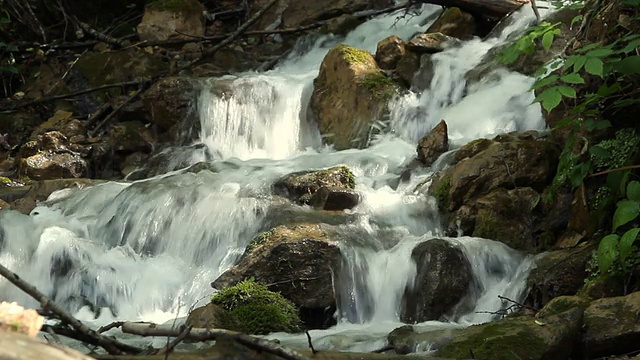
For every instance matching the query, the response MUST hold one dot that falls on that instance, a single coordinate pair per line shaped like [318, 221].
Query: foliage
[542, 34]
[6, 50]
[258, 310]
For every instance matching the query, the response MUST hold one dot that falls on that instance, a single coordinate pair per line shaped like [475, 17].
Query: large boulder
[431, 43]
[442, 280]
[296, 261]
[131, 136]
[171, 19]
[455, 23]
[434, 144]
[172, 109]
[612, 326]
[558, 273]
[389, 51]
[301, 187]
[51, 156]
[521, 337]
[349, 94]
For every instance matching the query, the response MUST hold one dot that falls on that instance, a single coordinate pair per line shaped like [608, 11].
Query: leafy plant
[543, 34]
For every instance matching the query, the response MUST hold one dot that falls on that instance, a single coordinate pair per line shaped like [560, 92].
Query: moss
[562, 304]
[258, 240]
[488, 227]
[355, 55]
[382, 87]
[256, 309]
[5, 180]
[497, 341]
[441, 193]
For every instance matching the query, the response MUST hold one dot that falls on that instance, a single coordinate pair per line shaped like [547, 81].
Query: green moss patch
[382, 87]
[257, 310]
[441, 193]
[355, 55]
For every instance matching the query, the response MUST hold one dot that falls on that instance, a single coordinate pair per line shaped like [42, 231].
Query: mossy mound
[257, 310]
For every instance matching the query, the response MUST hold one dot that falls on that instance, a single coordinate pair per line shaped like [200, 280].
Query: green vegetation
[355, 55]
[442, 193]
[258, 240]
[256, 309]
[381, 86]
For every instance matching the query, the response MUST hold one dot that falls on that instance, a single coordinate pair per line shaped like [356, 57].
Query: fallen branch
[110, 345]
[630, 167]
[231, 37]
[99, 36]
[74, 94]
[113, 325]
[313, 350]
[198, 334]
[170, 346]
[117, 109]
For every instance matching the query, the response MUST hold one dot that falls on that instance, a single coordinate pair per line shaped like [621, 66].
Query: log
[495, 9]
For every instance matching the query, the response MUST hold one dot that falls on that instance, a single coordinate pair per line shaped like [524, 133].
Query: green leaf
[573, 78]
[545, 81]
[607, 252]
[567, 91]
[626, 243]
[599, 151]
[550, 98]
[588, 47]
[5, 20]
[576, 19]
[629, 65]
[579, 63]
[594, 66]
[627, 211]
[631, 46]
[599, 52]
[633, 191]
[547, 40]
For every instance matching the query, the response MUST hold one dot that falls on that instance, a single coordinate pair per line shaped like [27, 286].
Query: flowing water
[148, 250]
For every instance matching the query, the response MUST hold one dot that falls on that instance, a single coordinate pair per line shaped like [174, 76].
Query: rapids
[148, 250]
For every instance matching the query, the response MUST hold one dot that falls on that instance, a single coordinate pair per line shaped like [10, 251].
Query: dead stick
[313, 350]
[630, 167]
[98, 35]
[231, 37]
[113, 325]
[116, 110]
[74, 94]
[170, 346]
[112, 346]
[198, 334]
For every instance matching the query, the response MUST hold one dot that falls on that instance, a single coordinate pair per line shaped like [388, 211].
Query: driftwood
[198, 334]
[110, 345]
[489, 8]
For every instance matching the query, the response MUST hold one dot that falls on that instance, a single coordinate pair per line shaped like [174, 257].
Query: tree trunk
[489, 8]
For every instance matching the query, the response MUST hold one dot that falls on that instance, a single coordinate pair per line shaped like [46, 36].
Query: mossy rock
[256, 309]
[300, 186]
[562, 304]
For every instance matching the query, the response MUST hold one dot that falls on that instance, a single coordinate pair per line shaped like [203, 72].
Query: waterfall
[148, 250]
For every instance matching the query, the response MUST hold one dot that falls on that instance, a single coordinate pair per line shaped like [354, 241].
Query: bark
[489, 8]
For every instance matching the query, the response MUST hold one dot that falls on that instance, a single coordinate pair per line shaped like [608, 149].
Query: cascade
[148, 250]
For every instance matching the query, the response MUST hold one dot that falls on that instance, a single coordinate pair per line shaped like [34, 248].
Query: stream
[148, 250]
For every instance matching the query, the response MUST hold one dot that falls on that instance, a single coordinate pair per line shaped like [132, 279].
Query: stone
[4, 205]
[342, 24]
[15, 346]
[301, 186]
[518, 337]
[296, 261]
[434, 144]
[508, 216]
[407, 67]
[131, 136]
[443, 279]
[29, 196]
[334, 198]
[455, 23]
[16, 128]
[170, 103]
[283, 212]
[63, 122]
[210, 316]
[558, 273]
[612, 326]
[172, 19]
[431, 43]
[349, 95]
[562, 304]
[389, 51]
[49, 156]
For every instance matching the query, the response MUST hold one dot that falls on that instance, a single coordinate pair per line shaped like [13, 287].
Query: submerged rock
[335, 198]
[612, 326]
[431, 43]
[25, 198]
[301, 187]
[349, 95]
[442, 280]
[434, 144]
[296, 261]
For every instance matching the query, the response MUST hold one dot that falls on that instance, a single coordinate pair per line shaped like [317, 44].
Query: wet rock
[172, 19]
[296, 261]
[431, 43]
[612, 326]
[28, 196]
[389, 51]
[434, 144]
[210, 316]
[172, 109]
[443, 279]
[342, 24]
[283, 212]
[562, 304]
[131, 136]
[407, 67]
[133, 162]
[455, 23]
[4, 205]
[406, 340]
[558, 273]
[15, 346]
[49, 156]
[349, 94]
[301, 186]
[518, 337]
[63, 122]
[334, 198]
[508, 216]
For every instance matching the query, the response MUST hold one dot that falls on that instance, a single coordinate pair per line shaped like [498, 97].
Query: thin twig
[536, 12]
[313, 351]
[112, 346]
[170, 346]
[630, 167]
[113, 325]
[117, 109]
